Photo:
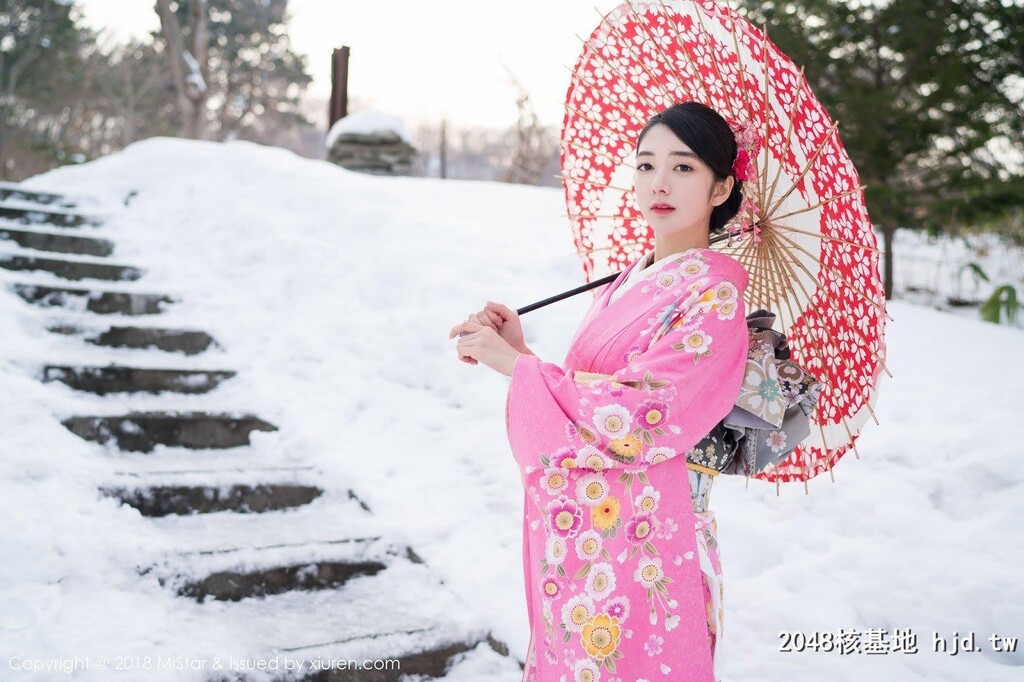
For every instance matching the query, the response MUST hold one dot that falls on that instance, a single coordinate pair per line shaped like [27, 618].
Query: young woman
[621, 566]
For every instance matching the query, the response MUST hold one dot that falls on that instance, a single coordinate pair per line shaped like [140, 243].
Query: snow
[332, 293]
[367, 122]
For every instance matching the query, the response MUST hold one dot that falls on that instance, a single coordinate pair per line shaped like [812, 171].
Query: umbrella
[803, 232]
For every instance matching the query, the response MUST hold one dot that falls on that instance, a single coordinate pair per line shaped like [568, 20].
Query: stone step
[142, 431]
[183, 341]
[403, 612]
[24, 215]
[164, 500]
[59, 243]
[14, 192]
[289, 566]
[103, 302]
[70, 269]
[119, 379]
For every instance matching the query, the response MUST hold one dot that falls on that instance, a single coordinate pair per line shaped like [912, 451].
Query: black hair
[704, 131]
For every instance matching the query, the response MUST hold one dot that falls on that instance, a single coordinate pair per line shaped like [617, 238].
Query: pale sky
[424, 60]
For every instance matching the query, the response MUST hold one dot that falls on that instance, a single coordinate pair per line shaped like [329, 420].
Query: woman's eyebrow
[690, 154]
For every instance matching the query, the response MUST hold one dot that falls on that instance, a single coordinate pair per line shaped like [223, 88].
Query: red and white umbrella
[803, 233]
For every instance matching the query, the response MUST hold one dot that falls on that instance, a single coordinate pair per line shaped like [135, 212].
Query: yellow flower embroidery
[605, 515]
[600, 636]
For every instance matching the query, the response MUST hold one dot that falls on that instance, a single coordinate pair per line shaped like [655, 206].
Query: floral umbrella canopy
[803, 232]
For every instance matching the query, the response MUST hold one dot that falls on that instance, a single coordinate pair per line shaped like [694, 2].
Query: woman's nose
[659, 183]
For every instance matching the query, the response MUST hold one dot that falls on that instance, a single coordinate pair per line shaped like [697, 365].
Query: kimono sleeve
[657, 407]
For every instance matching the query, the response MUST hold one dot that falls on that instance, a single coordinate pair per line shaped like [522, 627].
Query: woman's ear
[723, 188]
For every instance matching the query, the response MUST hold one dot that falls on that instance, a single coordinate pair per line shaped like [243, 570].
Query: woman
[621, 566]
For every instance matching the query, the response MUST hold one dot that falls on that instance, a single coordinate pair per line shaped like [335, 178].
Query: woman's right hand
[505, 321]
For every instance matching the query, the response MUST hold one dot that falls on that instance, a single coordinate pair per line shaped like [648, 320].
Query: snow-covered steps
[142, 431]
[188, 342]
[97, 301]
[31, 215]
[164, 500]
[13, 192]
[235, 573]
[58, 243]
[403, 615]
[70, 269]
[119, 379]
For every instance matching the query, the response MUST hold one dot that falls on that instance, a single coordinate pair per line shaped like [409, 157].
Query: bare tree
[188, 66]
[529, 157]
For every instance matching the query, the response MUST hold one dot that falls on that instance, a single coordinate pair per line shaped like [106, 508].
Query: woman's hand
[481, 343]
[506, 322]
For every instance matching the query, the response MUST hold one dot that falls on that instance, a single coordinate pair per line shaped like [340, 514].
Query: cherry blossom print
[555, 550]
[647, 501]
[577, 611]
[555, 480]
[591, 489]
[565, 517]
[588, 545]
[613, 421]
[600, 581]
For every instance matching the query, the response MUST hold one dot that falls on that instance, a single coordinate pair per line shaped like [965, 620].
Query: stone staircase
[304, 571]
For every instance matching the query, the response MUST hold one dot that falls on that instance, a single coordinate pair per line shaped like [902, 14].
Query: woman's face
[669, 174]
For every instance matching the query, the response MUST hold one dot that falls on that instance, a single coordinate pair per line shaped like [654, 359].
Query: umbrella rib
[714, 60]
[650, 103]
[775, 269]
[770, 193]
[846, 279]
[807, 166]
[591, 152]
[821, 235]
[637, 57]
[832, 304]
[834, 197]
[619, 107]
[682, 48]
[566, 178]
[762, 179]
[742, 70]
[668, 65]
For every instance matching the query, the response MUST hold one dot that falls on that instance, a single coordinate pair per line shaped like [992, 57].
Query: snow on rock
[367, 122]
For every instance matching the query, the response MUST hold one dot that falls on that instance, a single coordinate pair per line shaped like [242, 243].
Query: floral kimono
[615, 588]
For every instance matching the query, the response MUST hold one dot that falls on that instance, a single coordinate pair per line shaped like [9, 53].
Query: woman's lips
[662, 209]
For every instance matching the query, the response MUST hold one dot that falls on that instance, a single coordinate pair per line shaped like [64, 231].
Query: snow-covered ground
[333, 293]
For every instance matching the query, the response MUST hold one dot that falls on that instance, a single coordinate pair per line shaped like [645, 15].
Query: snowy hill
[333, 293]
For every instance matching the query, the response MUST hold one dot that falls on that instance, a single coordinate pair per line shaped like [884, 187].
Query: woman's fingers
[469, 326]
[501, 310]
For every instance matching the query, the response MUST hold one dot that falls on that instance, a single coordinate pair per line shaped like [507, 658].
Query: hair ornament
[747, 142]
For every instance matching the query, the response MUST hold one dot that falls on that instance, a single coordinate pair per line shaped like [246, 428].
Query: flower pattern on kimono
[653, 645]
[649, 572]
[606, 515]
[666, 528]
[600, 636]
[693, 267]
[613, 420]
[555, 480]
[589, 545]
[555, 550]
[576, 611]
[617, 607]
[565, 516]
[639, 528]
[659, 454]
[647, 500]
[552, 587]
[651, 413]
[586, 670]
[776, 440]
[592, 458]
[600, 581]
[591, 489]
[564, 458]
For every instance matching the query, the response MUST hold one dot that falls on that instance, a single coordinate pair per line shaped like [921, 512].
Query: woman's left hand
[483, 344]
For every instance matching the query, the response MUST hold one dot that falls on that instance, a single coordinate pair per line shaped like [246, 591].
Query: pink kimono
[601, 444]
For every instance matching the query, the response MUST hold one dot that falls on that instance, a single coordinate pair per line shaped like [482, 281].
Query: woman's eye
[681, 165]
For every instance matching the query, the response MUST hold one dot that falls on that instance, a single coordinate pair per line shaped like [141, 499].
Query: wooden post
[339, 86]
[443, 152]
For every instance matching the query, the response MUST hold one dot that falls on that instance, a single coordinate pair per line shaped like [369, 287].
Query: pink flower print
[666, 528]
[551, 587]
[653, 645]
[565, 516]
[649, 572]
[651, 413]
[660, 454]
[564, 458]
[639, 528]
[697, 342]
[600, 581]
[613, 421]
[617, 608]
[555, 480]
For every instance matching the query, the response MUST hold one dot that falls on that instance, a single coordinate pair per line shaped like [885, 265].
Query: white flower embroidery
[591, 489]
[613, 420]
